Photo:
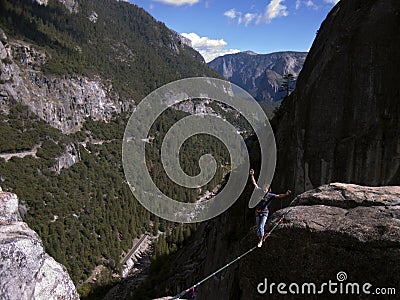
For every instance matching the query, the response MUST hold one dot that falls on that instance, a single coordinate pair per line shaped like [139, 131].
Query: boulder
[26, 270]
[350, 195]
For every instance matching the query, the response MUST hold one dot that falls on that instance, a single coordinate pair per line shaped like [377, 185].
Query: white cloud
[232, 13]
[273, 10]
[310, 3]
[248, 18]
[209, 48]
[178, 2]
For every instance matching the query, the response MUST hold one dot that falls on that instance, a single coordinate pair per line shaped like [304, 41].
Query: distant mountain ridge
[260, 74]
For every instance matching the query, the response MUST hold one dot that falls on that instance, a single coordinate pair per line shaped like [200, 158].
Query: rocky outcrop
[195, 107]
[182, 39]
[26, 271]
[3, 39]
[93, 17]
[342, 121]
[71, 5]
[260, 74]
[178, 43]
[70, 156]
[357, 233]
[350, 195]
[41, 2]
[63, 102]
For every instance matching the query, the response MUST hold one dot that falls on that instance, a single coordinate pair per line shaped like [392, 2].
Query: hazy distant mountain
[260, 74]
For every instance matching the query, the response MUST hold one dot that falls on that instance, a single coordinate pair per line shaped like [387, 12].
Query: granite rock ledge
[26, 270]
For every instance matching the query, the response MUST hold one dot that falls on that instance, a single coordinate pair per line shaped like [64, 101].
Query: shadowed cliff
[342, 122]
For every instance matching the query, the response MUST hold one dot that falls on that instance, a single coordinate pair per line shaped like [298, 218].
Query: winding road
[134, 249]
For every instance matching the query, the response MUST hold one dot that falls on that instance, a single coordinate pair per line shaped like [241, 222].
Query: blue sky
[218, 27]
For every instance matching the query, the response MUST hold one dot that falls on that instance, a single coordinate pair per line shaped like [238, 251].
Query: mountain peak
[249, 52]
[260, 74]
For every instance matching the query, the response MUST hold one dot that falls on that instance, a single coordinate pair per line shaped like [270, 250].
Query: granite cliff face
[260, 74]
[63, 102]
[333, 229]
[342, 122]
[68, 62]
[26, 270]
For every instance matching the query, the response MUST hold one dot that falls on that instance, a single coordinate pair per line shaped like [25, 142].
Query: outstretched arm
[280, 196]
[252, 179]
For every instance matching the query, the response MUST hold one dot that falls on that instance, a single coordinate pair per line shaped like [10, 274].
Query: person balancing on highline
[262, 207]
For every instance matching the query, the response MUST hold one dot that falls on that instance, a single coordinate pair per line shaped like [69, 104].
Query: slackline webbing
[231, 262]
